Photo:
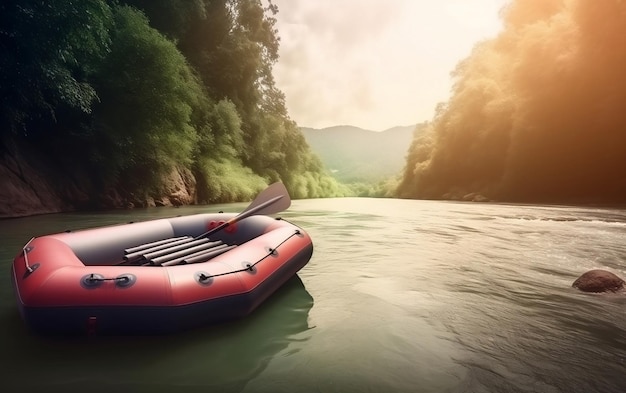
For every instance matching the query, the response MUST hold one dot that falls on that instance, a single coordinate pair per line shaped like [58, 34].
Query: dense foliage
[125, 92]
[49, 50]
[536, 114]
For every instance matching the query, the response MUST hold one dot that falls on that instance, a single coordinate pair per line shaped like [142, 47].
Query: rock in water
[599, 281]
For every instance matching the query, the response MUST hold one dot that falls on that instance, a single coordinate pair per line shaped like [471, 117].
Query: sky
[375, 64]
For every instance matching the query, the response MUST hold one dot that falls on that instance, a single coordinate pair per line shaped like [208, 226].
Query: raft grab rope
[248, 266]
[29, 268]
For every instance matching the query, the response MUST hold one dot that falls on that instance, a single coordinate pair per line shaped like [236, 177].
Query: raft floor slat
[175, 251]
[143, 247]
[201, 256]
[185, 251]
[175, 248]
[140, 254]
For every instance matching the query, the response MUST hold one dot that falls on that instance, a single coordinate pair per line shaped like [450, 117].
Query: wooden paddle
[272, 200]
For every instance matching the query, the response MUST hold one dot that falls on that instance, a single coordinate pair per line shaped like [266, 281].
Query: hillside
[353, 154]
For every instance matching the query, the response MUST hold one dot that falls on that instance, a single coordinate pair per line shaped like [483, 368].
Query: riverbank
[31, 184]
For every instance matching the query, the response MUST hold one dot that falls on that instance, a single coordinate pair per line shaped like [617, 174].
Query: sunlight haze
[375, 64]
[535, 114]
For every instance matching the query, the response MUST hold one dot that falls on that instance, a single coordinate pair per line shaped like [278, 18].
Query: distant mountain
[353, 154]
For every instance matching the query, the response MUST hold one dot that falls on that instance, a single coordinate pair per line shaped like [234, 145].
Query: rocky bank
[30, 185]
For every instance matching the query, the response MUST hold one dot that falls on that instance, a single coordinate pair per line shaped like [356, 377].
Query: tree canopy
[127, 91]
[49, 51]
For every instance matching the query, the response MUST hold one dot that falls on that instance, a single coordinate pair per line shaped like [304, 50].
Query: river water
[399, 296]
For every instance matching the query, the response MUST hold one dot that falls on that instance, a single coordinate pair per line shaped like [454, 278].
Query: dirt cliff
[31, 185]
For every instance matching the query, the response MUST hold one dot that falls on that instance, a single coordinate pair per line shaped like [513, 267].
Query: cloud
[536, 114]
[373, 63]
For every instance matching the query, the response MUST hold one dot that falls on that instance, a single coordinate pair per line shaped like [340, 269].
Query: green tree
[245, 136]
[219, 171]
[171, 17]
[48, 51]
[143, 126]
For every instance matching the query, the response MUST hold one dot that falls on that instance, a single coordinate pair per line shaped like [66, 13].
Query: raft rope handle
[249, 266]
[93, 278]
[30, 269]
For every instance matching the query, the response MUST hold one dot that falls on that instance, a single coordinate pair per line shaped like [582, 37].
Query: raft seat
[175, 251]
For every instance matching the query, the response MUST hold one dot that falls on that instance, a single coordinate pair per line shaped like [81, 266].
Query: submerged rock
[598, 280]
[475, 197]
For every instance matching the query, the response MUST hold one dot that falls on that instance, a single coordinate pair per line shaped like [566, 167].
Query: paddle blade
[274, 199]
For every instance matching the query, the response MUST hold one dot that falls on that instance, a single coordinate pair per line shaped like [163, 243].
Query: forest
[536, 114]
[117, 94]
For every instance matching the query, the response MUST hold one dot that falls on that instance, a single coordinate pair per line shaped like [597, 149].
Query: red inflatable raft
[159, 276]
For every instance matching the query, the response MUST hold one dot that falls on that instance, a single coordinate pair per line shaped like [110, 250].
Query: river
[399, 296]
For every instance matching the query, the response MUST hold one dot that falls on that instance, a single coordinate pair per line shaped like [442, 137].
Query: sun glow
[374, 64]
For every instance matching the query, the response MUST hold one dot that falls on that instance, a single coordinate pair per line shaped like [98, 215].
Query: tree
[48, 51]
[143, 126]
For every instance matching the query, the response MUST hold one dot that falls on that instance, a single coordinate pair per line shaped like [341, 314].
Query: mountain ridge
[354, 155]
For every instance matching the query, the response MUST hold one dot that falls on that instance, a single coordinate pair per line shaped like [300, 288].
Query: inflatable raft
[159, 276]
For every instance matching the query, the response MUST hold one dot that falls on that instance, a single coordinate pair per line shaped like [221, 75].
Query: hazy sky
[375, 64]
